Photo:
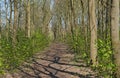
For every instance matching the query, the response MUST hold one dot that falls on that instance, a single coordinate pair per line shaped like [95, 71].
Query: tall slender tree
[93, 29]
[15, 23]
[27, 27]
[0, 25]
[115, 33]
[10, 18]
[6, 18]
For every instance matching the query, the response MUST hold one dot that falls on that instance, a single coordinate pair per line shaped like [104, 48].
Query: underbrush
[11, 57]
[106, 66]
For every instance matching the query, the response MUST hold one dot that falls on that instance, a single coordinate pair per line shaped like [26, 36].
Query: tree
[0, 24]
[93, 29]
[72, 14]
[6, 17]
[115, 33]
[15, 23]
[27, 27]
[10, 18]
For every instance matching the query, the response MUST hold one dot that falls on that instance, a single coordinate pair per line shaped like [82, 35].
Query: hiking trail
[54, 62]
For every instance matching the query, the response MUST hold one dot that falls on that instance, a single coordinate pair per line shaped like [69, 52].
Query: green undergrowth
[77, 44]
[11, 57]
[106, 66]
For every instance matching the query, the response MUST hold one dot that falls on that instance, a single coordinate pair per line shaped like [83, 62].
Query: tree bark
[27, 28]
[6, 19]
[93, 29]
[115, 34]
[0, 25]
[15, 23]
[10, 19]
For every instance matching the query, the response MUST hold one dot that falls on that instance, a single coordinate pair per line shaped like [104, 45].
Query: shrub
[11, 57]
[106, 66]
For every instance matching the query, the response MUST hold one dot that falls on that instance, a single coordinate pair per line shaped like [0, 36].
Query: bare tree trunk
[93, 28]
[19, 14]
[10, 19]
[72, 23]
[6, 8]
[0, 25]
[27, 28]
[115, 33]
[15, 23]
[72, 13]
[33, 18]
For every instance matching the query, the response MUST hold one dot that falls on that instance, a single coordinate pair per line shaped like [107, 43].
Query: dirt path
[55, 62]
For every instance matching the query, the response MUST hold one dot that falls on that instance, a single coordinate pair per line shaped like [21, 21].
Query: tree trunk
[0, 25]
[27, 28]
[93, 29]
[115, 33]
[15, 23]
[10, 19]
[6, 19]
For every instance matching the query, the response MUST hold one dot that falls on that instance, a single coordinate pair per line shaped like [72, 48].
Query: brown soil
[55, 62]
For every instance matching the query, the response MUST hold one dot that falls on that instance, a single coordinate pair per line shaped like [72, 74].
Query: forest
[59, 39]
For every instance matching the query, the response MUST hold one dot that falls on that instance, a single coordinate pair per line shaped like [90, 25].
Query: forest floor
[54, 62]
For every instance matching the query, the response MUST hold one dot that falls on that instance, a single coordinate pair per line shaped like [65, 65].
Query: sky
[2, 8]
[52, 4]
